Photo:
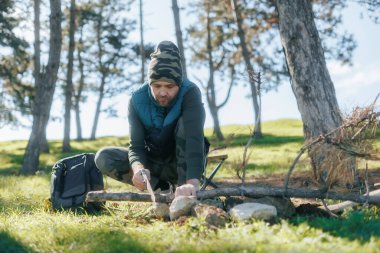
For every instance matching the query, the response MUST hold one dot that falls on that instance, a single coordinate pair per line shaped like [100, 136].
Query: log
[254, 192]
[101, 196]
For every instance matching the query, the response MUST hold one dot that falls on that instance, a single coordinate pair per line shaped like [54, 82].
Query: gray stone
[181, 206]
[247, 211]
[213, 215]
[285, 207]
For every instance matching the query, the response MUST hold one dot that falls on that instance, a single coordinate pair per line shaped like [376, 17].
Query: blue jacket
[159, 122]
[153, 115]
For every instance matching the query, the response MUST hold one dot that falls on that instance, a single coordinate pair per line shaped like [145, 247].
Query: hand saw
[148, 186]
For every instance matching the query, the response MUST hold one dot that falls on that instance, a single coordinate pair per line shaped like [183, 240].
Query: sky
[355, 85]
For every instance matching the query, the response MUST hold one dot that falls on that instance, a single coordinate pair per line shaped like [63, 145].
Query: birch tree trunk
[314, 90]
[69, 82]
[250, 71]
[178, 33]
[44, 90]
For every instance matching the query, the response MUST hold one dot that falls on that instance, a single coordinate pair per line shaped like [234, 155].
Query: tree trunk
[142, 49]
[44, 90]
[103, 78]
[250, 71]
[314, 90]
[98, 106]
[78, 95]
[44, 145]
[69, 82]
[211, 97]
[178, 33]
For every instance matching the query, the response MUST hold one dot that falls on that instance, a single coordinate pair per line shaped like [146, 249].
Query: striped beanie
[165, 64]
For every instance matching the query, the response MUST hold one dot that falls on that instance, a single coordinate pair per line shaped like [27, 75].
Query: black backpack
[71, 179]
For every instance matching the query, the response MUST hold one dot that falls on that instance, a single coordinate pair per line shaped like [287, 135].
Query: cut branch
[255, 192]
[337, 208]
[100, 196]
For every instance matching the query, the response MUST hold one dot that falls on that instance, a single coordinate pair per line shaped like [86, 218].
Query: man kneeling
[166, 119]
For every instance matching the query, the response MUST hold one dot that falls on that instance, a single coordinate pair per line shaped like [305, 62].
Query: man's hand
[138, 179]
[189, 189]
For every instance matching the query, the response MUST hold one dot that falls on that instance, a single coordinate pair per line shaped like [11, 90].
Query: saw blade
[149, 187]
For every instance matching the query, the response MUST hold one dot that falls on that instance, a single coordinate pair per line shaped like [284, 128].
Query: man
[166, 118]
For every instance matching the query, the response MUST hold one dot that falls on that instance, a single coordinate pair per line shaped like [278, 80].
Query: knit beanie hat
[165, 64]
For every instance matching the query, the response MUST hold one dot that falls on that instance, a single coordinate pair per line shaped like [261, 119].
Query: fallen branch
[100, 196]
[254, 192]
[337, 208]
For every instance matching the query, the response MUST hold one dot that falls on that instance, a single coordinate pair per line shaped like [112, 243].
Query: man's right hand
[138, 179]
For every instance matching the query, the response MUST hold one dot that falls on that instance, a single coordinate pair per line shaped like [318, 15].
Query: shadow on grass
[11, 171]
[266, 140]
[108, 241]
[8, 244]
[356, 225]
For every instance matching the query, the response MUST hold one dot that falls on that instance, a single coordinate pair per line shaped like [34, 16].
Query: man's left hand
[189, 189]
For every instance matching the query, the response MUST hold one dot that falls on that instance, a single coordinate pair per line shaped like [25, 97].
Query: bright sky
[355, 86]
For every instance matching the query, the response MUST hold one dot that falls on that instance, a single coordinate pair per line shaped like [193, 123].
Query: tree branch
[229, 90]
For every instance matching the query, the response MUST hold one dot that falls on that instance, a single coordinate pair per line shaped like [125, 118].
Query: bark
[69, 81]
[250, 70]
[252, 192]
[178, 33]
[211, 96]
[313, 89]
[44, 91]
[142, 49]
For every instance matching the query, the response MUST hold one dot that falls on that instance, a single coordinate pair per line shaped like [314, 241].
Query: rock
[213, 215]
[253, 210]
[161, 210]
[181, 206]
[284, 206]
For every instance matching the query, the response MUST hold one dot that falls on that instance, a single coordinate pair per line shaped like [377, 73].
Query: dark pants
[113, 162]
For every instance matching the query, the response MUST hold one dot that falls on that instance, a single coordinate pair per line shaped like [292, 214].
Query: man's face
[164, 92]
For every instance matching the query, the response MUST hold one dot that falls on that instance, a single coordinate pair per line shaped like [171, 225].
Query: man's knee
[102, 159]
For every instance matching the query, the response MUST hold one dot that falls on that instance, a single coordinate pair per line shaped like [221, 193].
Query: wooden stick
[255, 192]
[100, 196]
[337, 208]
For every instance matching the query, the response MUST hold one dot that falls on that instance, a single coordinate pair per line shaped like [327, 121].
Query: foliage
[26, 225]
[14, 64]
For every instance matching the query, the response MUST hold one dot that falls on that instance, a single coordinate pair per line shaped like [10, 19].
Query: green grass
[27, 226]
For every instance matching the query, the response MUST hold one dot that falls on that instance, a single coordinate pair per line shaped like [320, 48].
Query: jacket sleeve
[193, 115]
[137, 137]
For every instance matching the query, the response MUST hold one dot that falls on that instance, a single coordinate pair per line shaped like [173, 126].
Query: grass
[26, 225]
